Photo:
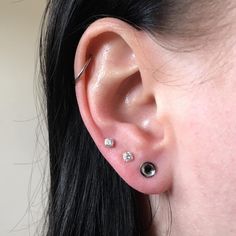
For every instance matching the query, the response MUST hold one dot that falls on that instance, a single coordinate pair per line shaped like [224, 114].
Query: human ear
[116, 98]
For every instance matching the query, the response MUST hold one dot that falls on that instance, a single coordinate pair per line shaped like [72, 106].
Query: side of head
[153, 85]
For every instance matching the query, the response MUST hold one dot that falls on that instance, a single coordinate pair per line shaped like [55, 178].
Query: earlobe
[118, 109]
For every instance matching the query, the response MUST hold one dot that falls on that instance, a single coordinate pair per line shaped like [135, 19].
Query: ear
[116, 98]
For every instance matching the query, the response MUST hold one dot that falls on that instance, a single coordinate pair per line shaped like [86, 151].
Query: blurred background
[23, 153]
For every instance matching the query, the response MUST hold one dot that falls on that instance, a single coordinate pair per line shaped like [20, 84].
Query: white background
[22, 156]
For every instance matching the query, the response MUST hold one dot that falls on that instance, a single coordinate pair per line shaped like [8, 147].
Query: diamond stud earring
[128, 156]
[148, 169]
[109, 142]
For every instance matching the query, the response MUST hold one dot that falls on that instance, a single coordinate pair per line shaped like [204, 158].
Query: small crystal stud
[109, 142]
[128, 156]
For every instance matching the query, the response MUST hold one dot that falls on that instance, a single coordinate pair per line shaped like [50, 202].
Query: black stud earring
[148, 169]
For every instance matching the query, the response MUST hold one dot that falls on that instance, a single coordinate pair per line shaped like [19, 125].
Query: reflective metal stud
[148, 169]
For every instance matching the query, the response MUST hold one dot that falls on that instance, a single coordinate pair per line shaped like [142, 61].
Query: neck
[183, 215]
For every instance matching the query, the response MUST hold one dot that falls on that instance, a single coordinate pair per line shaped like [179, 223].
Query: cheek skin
[205, 128]
[197, 96]
[203, 117]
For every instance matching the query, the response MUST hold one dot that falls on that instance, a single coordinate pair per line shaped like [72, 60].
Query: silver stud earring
[128, 156]
[148, 169]
[83, 69]
[109, 142]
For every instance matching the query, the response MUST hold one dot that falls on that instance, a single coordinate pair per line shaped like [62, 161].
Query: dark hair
[86, 196]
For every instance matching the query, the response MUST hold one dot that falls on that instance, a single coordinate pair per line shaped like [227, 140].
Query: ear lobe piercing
[128, 156]
[109, 142]
[148, 169]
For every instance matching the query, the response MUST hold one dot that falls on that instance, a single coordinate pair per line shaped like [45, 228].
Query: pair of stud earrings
[147, 169]
[110, 143]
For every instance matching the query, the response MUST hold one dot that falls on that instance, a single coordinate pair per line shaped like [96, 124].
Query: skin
[203, 189]
[175, 109]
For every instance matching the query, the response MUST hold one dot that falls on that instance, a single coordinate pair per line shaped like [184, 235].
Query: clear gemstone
[128, 156]
[109, 142]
